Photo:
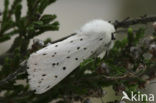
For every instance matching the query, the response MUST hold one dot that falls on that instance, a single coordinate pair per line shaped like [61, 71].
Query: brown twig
[61, 39]
[128, 22]
[139, 71]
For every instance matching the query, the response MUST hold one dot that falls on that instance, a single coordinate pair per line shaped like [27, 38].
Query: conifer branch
[13, 75]
[128, 22]
[117, 24]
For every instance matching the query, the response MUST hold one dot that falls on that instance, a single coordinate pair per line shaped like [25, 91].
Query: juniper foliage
[123, 67]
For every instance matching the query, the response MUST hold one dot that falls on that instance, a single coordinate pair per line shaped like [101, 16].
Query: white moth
[48, 66]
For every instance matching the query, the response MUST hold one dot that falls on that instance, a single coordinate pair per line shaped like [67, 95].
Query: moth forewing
[48, 66]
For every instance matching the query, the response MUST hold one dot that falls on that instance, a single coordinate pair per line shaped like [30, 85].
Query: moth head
[99, 26]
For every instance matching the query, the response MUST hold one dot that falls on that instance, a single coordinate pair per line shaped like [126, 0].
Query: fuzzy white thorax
[97, 26]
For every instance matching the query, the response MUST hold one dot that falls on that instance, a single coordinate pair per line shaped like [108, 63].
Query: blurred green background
[72, 14]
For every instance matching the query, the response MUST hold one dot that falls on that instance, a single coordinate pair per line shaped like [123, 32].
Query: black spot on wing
[43, 75]
[54, 54]
[100, 39]
[44, 54]
[78, 48]
[84, 48]
[64, 68]
[27, 68]
[53, 64]
[55, 76]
